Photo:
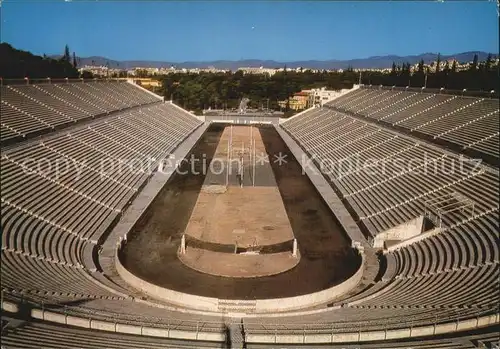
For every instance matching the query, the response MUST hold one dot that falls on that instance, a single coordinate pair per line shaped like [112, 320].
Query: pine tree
[287, 92]
[438, 63]
[474, 63]
[74, 60]
[393, 70]
[447, 67]
[454, 66]
[421, 66]
[487, 65]
[408, 68]
[66, 57]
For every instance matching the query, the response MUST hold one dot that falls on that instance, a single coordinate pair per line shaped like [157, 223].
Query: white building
[260, 70]
[320, 96]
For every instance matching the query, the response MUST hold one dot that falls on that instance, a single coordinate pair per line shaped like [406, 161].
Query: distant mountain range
[375, 62]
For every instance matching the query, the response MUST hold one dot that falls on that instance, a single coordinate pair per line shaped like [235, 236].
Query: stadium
[368, 221]
[115, 257]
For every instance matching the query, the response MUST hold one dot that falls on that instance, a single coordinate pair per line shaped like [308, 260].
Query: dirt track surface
[239, 265]
[248, 215]
[326, 259]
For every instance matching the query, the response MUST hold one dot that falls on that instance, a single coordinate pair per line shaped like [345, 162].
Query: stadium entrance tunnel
[239, 241]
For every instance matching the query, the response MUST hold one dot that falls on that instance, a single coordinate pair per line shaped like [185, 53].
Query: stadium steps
[28, 114]
[97, 149]
[82, 98]
[61, 184]
[30, 213]
[111, 95]
[62, 100]
[406, 107]
[476, 216]
[481, 140]
[387, 179]
[424, 110]
[391, 105]
[450, 184]
[117, 142]
[465, 124]
[70, 119]
[445, 115]
[382, 103]
[68, 295]
[368, 101]
[98, 97]
[83, 164]
[13, 130]
[45, 259]
[444, 271]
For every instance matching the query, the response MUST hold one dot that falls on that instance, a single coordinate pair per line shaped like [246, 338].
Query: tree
[487, 65]
[66, 56]
[16, 64]
[74, 60]
[87, 75]
[454, 66]
[474, 63]
[438, 63]
[446, 67]
[421, 66]
[393, 69]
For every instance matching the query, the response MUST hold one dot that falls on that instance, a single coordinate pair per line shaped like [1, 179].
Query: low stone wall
[243, 119]
[164, 294]
[372, 336]
[261, 305]
[118, 327]
[265, 338]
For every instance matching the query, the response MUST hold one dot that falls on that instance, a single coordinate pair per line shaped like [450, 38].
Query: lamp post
[463, 91]
[48, 80]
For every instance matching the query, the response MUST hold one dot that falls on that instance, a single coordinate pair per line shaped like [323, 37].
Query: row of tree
[480, 76]
[17, 64]
[225, 90]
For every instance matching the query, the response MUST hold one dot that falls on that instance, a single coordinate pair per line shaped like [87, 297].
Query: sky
[178, 31]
